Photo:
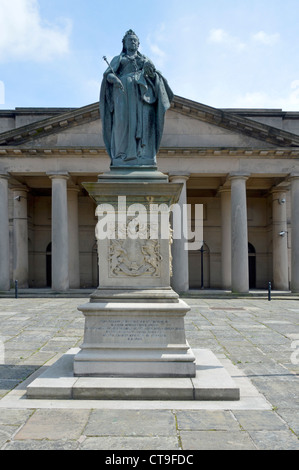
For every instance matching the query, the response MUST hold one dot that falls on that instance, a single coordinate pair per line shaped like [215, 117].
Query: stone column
[226, 257]
[280, 240]
[240, 277]
[20, 237]
[295, 231]
[60, 249]
[180, 264]
[73, 230]
[4, 234]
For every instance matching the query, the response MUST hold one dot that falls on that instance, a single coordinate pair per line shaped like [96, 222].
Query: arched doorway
[252, 266]
[49, 265]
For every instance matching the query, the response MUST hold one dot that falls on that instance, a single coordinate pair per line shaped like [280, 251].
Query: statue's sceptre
[112, 71]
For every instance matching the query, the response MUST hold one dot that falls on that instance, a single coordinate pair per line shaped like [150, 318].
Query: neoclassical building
[241, 165]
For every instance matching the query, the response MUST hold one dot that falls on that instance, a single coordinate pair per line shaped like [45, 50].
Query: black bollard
[16, 289]
[269, 291]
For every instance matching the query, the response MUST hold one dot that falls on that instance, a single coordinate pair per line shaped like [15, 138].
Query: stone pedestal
[134, 321]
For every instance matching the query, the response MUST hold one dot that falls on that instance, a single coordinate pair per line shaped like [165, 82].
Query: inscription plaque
[138, 331]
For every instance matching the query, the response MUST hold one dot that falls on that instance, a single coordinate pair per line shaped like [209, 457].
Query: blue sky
[222, 53]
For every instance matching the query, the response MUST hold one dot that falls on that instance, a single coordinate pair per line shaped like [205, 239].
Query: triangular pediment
[188, 124]
[182, 131]
[85, 134]
[235, 124]
[40, 131]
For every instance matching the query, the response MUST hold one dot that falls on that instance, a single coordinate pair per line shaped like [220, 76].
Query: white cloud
[222, 37]
[263, 99]
[158, 55]
[266, 39]
[256, 99]
[155, 41]
[25, 36]
[219, 36]
[157, 50]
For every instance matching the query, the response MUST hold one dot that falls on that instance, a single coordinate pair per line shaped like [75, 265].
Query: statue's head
[129, 38]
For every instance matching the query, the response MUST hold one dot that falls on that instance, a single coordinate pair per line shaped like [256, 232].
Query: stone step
[212, 382]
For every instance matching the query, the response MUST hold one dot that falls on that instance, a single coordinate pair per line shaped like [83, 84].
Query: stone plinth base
[212, 382]
[135, 340]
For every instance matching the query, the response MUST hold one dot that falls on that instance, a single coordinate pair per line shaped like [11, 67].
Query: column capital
[20, 188]
[224, 189]
[4, 176]
[279, 189]
[58, 175]
[75, 189]
[293, 176]
[238, 175]
[178, 175]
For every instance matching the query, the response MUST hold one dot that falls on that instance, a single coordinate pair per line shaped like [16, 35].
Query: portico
[244, 173]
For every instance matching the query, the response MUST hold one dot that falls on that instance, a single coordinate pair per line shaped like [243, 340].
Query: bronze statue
[133, 101]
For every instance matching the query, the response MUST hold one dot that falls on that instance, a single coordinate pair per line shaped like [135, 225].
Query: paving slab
[265, 416]
[201, 420]
[131, 423]
[288, 416]
[260, 420]
[130, 443]
[54, 425]
[14, 417]
[6, 433]
[274, 440]
[41, 445]
[216, 440]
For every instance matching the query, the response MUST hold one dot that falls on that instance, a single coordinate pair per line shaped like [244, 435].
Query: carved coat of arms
[137, 257]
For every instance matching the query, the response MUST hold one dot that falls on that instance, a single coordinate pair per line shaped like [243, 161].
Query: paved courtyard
[257, 341]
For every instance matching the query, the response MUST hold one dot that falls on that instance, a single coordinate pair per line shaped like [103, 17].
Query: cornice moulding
[164, 152]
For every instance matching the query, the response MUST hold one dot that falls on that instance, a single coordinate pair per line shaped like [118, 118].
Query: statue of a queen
[133, 101]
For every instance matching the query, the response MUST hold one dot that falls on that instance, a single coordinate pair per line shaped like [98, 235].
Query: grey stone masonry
[256, 340]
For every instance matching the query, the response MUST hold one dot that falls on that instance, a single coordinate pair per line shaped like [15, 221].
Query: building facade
[242, 166]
